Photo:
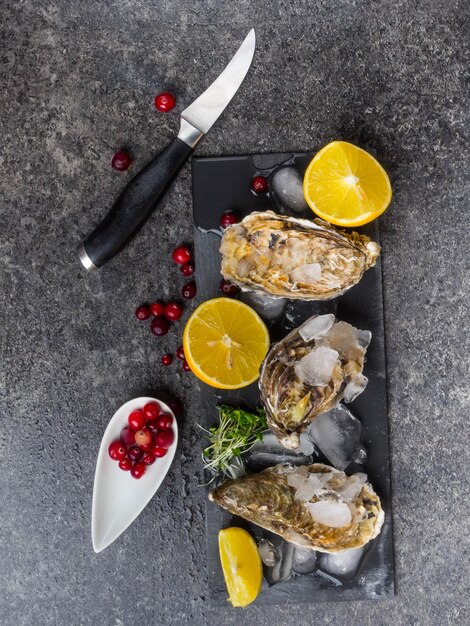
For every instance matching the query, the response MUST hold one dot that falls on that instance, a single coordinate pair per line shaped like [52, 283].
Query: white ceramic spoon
[118, 499]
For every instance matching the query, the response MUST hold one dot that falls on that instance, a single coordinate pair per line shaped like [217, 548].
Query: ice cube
[352, 486]
[306, 274]
[267, 307]
[355, 387]
[330, 513]
[316, 367]
[286, 189]
[304, 560]
[269, 452]
[312, 485]
[338, 435]
[342, 563]
[316, 326]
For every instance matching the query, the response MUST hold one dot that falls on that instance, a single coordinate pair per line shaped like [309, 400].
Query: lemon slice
[225, 342]
[241, 565]
[346, 186]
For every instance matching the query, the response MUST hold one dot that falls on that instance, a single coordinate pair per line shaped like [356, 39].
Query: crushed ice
[316, 367]
[316, 327]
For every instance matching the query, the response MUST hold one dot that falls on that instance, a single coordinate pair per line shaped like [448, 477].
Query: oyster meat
[309, 372]
[294, 258]
[313, 506]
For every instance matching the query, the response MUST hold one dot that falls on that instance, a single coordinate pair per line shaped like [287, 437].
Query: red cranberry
[117, 450]
[189, 291]
[173, 311]
[228, 288]
[176, 406]
[228, 218]
[136, 419]
[164, 438]
[134, 453]
[180, 353]
[138, 470]
[143, 437]
[142, 312]
[167, 359]
[186, 366]
[181, 255]
[165, 102]
[125, 464]
[157, 309]
[152, 425]
[159, 452]
[127, 436]
[121, 161]
[146, 447]
[159, 326]
[151, 410]
[164, 421]
[148, 458]
[187, 269]
[259, 184]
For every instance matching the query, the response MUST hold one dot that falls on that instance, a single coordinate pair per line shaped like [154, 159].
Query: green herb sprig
[237, 432]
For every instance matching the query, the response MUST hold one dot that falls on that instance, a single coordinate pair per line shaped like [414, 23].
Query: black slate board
[223, 183]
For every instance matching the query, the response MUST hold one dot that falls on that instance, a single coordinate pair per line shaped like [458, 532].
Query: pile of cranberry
[147, 437]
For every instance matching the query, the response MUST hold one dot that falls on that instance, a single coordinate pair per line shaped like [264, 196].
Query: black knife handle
[134, 206]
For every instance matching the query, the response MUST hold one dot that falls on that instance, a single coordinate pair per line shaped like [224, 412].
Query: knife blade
[141, 196]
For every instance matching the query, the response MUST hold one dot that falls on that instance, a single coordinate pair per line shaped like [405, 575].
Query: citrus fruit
[241, 565]
[225, 342]
[346, 186]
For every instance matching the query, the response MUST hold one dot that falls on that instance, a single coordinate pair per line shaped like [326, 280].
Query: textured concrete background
[78, 78]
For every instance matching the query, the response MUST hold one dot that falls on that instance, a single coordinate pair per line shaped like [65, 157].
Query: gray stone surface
[77, 81]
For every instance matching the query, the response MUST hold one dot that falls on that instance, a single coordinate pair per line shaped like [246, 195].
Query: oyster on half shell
[294, 258]
[309, 372]
[313, 506]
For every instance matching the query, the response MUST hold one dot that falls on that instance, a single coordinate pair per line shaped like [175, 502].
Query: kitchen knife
[139, 199]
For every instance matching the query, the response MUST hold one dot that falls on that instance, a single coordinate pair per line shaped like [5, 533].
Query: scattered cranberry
[148, 458]
[159, 452]
[138, 470]
[181, 255]
[159, 326]
[167, 359]
[259, 184]
[186, 366]
[151, 410]
[152, 425]
[136, 419]
[157, 309]
[187, 269]
[173, 311]
[142, 312]
[228, 288]
[121, 161]
[143, 437]
[117, 450]
[180, 353]
[164, 421]
[175, 406]
[125, 464]
[127, 436]
[228, 218]
[134, 453]
[164, 438]
[189, 291]
[146, 447]
[165, 102]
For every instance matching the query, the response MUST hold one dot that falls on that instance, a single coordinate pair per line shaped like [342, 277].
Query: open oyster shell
[313, 506]
[309, 372]
[294, 258]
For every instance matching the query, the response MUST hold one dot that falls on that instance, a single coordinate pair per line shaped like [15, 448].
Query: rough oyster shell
[309, 372]
[283, 498]
[294, 258]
